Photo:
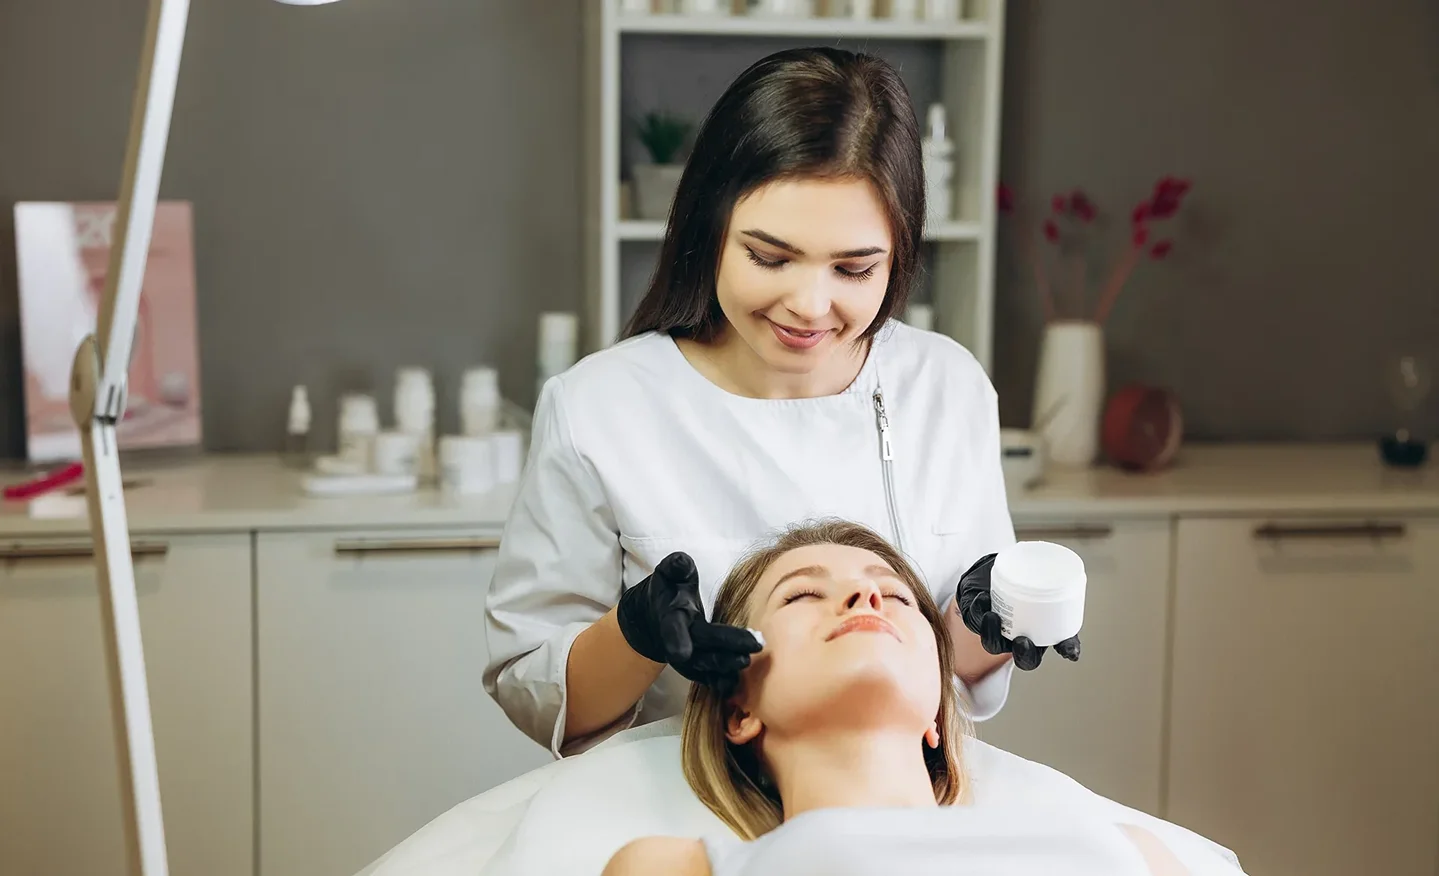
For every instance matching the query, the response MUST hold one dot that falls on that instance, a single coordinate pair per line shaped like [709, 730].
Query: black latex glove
[975, 611]
[663, 619]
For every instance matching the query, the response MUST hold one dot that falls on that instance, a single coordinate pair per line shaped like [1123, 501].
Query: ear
[741, 725]
[931, 735]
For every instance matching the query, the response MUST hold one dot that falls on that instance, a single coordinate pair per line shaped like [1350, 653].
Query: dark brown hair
[812, 112]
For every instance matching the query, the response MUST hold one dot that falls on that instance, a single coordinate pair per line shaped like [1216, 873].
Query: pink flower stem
[1041, 277]
[1123, 267]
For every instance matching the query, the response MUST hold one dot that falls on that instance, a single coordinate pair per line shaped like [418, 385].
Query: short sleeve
[558, 571]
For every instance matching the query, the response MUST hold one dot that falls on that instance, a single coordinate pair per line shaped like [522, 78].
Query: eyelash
[775, 265]
[798, 594]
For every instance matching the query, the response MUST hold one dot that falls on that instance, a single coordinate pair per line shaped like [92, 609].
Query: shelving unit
[957, 63]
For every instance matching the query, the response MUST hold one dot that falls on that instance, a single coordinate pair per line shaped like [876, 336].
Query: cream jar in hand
[1037, 589]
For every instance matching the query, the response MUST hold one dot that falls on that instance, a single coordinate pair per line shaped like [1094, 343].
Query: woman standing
[762, 380]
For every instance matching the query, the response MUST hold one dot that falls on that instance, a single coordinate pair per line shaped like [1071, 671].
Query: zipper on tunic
[886, 461]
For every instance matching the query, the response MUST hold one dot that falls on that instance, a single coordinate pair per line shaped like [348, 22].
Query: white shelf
[751, 25]
[643, 229]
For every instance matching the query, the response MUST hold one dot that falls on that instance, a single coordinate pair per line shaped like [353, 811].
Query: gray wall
[381, 183]
[1311, 130]
[375, 184]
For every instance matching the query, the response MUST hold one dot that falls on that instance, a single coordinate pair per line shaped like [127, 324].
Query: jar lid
[1039, 570]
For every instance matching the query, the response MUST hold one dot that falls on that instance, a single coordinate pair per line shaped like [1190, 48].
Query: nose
[809, 300]
[863, 595]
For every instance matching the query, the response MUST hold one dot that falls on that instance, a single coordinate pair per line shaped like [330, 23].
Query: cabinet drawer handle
[16, 552]
[1277, 531]
[1062, 533]
[417, 545]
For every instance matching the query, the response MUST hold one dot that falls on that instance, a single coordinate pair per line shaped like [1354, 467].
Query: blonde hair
[730, 779]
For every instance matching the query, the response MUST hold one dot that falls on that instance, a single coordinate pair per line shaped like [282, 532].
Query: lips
[798, 339]
[863, 623]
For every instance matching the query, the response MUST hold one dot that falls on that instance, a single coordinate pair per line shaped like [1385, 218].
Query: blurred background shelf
[754, 25]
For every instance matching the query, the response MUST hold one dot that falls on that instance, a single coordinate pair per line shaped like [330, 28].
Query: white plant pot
[1069, 392]
[655, 186]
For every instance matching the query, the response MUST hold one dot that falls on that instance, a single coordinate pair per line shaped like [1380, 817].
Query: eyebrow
[791, 248]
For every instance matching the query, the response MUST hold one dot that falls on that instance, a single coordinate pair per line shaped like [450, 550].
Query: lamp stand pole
[97, 403]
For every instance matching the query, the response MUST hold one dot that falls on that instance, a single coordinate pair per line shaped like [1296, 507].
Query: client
[842, 751]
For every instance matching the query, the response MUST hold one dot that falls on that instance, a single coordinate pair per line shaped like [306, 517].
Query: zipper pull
[886, 449]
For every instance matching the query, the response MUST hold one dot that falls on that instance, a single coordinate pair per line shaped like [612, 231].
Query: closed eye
[858, 276]
[900, 596]
[771, 264]
[800, 594]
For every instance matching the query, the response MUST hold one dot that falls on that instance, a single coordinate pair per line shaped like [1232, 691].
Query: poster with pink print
[63, 255]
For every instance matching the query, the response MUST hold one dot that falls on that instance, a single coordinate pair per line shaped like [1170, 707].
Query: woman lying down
[842, 750]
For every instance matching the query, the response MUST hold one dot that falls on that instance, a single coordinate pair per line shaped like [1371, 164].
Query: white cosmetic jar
[1037, 589]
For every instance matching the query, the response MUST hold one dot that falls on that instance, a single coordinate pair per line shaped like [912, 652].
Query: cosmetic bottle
[297, 429]
[558, 345]
[904, 10]
[938, 152]
[941, 10]
[359, 424]
[1037, 589]
[479, 402]
[415, 415]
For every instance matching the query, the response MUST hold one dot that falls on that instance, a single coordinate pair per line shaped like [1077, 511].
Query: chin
[860, 687]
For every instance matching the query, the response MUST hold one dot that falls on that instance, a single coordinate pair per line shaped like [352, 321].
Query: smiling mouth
[799, 339]
[863, 623]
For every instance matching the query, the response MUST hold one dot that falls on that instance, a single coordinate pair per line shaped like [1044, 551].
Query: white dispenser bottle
[938, 151]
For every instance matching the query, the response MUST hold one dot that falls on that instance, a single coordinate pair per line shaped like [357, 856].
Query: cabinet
[372, 716]
[60, 809]
[1100, 720]
[1305, 729]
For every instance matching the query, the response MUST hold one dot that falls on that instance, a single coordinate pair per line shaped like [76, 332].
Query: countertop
[222, 493]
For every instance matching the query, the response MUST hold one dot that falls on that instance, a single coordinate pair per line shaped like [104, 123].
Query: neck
[729, 363]
[866, 768]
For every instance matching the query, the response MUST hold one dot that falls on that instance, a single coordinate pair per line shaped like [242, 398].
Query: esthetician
[764, 379]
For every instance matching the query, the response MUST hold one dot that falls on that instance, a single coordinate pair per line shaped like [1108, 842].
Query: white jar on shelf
[942, 10]
[705, 7]
[904, 10]
[781, 8]
[636, 7]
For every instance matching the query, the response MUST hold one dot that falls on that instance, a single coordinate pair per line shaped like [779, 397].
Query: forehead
[840, 561]
[815, 212]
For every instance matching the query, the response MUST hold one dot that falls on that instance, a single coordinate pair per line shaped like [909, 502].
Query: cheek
[742, 286]
[859, 302]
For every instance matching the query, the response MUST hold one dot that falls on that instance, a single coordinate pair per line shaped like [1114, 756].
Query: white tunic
[1033, 836]
[634, 454]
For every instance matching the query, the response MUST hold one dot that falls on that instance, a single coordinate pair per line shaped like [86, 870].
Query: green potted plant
[663, 135]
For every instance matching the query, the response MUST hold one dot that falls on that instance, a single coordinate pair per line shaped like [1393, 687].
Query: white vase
[1069, 392]
[655, 186]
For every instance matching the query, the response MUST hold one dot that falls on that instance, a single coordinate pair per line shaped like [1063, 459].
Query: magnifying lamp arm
[97, 404]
